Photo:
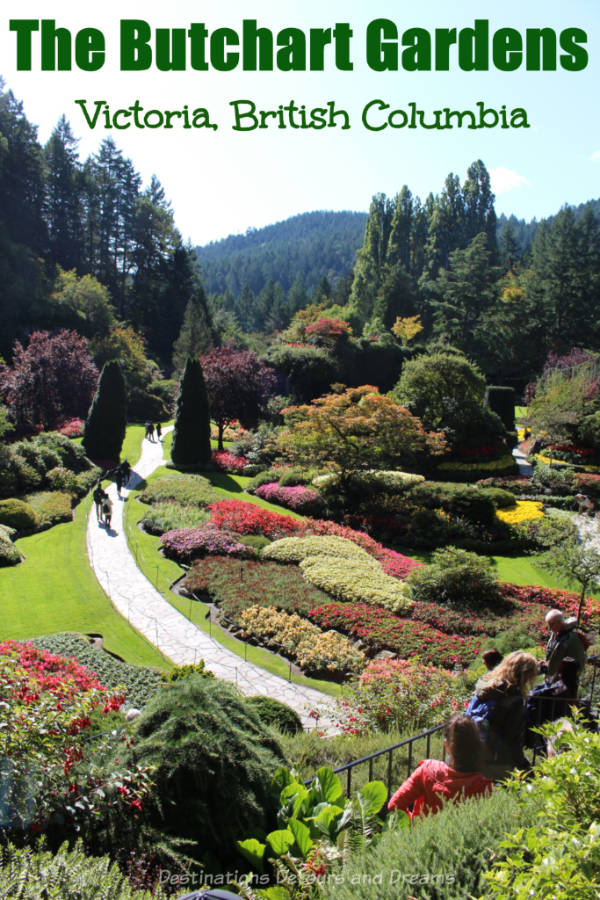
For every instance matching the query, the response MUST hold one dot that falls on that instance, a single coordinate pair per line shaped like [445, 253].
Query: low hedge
[18, 515]
[189, 490]
[454, 470]
[471, 503]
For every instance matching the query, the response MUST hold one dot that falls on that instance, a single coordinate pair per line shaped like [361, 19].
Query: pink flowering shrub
[299, 498]
[227, 462]
[402, 695]
[186, 544]
[72, 428]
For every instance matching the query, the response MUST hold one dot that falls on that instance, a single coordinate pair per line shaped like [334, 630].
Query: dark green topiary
[107, 419]
[214, 759]
[191, 434]
[18, 514]
[501, 400]
[277, 714]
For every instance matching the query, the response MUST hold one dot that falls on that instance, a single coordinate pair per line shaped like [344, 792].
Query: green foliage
[456, 578]
[191, 434]
[138, 683]
[559, 479]
[71, 455]
[51, 507]
[468, 502]
[166, 389]
[212, 756]
[105, 425]
[588, 430]
[18, 514]
[561, 401]
[186, 490]
[276, 714]
[186, 671]
[61, 479]
[441, 857]
[143, 405]
[168, 515]
[9, 555]
[501, 498]
[559, 856]
[257, 541]
[501, 400]
[69, 874]
[310, 371]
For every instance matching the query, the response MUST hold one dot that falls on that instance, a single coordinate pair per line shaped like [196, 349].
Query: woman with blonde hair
[498, 708]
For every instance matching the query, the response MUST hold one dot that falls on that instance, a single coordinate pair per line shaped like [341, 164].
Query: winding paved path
[164, 626]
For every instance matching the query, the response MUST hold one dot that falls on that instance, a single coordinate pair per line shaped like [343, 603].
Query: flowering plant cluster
[248, 518]
[233, 431]
[357, 581]
[72, 428]
[313, 650]
[327, 328]
[379, 630]
[186, 544]
[550, 598]
[296, 549]
[522, 511]
[236, 584]
[299, 498]
[227, 462]
[392, 562]
[486, 451]
[398, 694]
[51, 776]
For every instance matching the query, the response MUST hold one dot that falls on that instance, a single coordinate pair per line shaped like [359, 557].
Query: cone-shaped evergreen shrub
[214, 760]
[191, 434]
[107, 419]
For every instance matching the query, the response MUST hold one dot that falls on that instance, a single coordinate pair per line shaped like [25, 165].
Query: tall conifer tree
[107, 419]
[191, 434]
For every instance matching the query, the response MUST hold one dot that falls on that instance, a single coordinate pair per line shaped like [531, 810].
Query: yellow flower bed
[313, 649]
[523, 511]
[295, 549]
[357, 581]
[562, 462]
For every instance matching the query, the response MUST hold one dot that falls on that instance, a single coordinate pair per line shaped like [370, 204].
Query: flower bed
[187, 544]
[248, 518]
[299, 498]
[227, 462]
[188, 490]
[237, 584]
[357, 581]
[379, 630]
[550, 598]
[296, 549]
[314, 651]
[523, 511]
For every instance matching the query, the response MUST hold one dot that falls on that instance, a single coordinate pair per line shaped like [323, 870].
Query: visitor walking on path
[119, 481]
[126, 470]
[158, 431]
[107, 509]
[150, 431]
[98, 496]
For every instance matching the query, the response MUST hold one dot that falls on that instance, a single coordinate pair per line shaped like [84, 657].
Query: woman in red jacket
[434, 782]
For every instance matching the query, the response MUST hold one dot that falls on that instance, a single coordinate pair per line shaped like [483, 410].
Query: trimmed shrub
[371, 481]
[502, 499]
[86, 479]
[501, 400]
[51, 507]
[28, 478]
[72, 455]
[292, 477]
[166, 389]
[9, 555]
[191, 434]
[18, 515]
[276, 714]
[454, 470]
[61, 479]
[459, 500]
[9, 483]
[105, 425]
[188, 490]
[264, 477]
[212, 754]
[255, 541]
[456, 578]
[357, 581]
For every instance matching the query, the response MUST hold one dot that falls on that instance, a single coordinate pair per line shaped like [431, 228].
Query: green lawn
[163, 572]
[54, 589]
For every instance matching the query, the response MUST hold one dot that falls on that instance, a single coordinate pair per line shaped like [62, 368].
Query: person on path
[126, 470]
[158, 431]
[119, 480]
[498, 708]
[98, 496]
[150, 431]
[106, 511]
[564, 641]
[433, 782]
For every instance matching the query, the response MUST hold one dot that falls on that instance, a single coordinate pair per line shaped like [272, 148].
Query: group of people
[150, 429]
[104, 508]
[487, 741]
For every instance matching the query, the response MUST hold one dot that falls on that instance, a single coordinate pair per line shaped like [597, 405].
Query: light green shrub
[295, 549]
[51, 507]
[373, 480]
[28, 479]
[357, 581]
[9, 555]
[189, 490]
[168, 515]
[18, 514]
[62, 479]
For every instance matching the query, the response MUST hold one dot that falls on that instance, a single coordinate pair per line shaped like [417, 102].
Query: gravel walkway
[170, 631]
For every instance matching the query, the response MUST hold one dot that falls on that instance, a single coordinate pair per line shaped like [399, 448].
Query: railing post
[389, 772]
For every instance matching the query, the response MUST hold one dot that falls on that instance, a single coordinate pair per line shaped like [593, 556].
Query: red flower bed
[62, 677]
[380, 630]
[227, 462]
[248, 518]
[550, 598]
[72, 428]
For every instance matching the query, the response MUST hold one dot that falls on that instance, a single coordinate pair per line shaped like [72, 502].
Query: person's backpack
[482, 712]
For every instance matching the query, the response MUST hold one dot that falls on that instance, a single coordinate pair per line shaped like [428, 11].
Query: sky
[223, 182]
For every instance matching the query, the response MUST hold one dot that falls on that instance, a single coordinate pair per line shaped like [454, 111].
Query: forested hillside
[304, 247]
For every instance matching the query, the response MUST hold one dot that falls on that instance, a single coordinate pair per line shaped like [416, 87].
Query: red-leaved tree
[51, 380]
[238, 385]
